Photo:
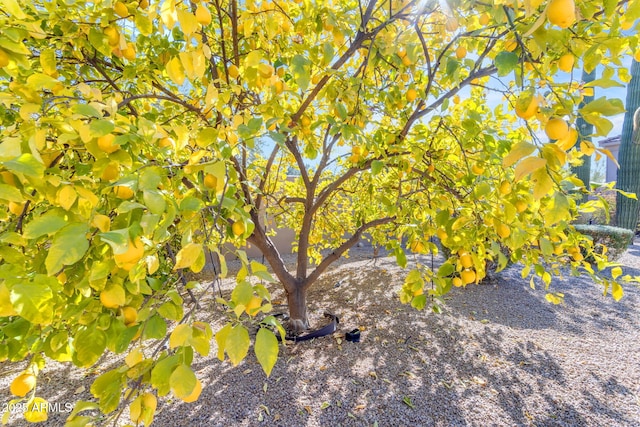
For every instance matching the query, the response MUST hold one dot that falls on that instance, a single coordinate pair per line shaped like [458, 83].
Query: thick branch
[345, 246]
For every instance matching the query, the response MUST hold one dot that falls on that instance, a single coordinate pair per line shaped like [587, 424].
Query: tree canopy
[140, 137]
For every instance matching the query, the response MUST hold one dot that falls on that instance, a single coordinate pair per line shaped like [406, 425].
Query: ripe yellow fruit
[165, 142]
[113, 297]
[456, 99]
[636, 55]
[467, 276]
[484, 19]
[477, 169]
[465, 260]
[210, 181]
[305, 121]
[130, 315]
[203, 15]
[442, 234]
[233, 71]
[22, 384]
[195, 393]
[105, 143]
[406, 61]
[238, 228]
[510, 45]
[457, 282]
[556, 128]
[562, 13]
[16, 208]
[4, 59]
[503, 230]
[123, 192]
[130, 258]
[143, 4]
[566, 61]
[521, 206]
[315, 79]
[101, 222]
[113, 36]
[505, 188]
[110, 172]
[461, 52]
[121, 9]
[412, 94]
[130, 51]
[265, 70]
[526, 105]
[150, 401]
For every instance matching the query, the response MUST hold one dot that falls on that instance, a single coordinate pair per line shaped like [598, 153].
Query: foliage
[614, 240]
[138, 138]
[628, 177]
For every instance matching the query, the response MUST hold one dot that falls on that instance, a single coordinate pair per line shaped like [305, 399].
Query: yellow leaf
[527, 166]
[67, 197]
[153, 263]
[36, 411]
[134, 357]
[518, 151]
[48, 61]
[182, 381]
[14, 8]
[543, 183]
[168, 13]
[253, 58]
[188, 22]
[587, 147]
[616, 272]
[188, 255]
[101, 222]
[221, 340]
[616, 291]
[609, 155]
[175, 70]
[180, 336]
[237, 344]
[266, 349]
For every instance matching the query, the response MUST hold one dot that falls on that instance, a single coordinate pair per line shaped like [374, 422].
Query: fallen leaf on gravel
[265, 386]
[260, 417]
[265, 409]
[373, 374]
[325, 405]
[350, 415]
[246, 371]
[407, 401]
[308, 409]
[276, 417]
[485, 321]
[446, 384]
[359, 407]
[323, 367]
[80, 389]
[480, 381]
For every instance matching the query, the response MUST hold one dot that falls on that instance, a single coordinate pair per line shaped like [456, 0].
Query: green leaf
[266, 349]
[34, 300]
[419, 302]
[161, 374]
[446, 270]
[26, 164]
[48, 223]
[107, 388]
[10, 193]
[182, 381]
[506, 62]
[242, 293]
[89, 344]
[604, 106]
[99, 128]
[68, 247]
[300, 68]
[604, 83]
[376, 167]
[180, 336]
[237, 344]
[401, 257]
[155, 328]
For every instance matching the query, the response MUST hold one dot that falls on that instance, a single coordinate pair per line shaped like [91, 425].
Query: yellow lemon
[130, 315]
[110, 172]
[105, 143]
[210, 181]
[238, 228]
[526, 105]
[465, 260]
[566, 61]
[457, 282]
[562, 13]
[477, 169]
[417, 246]
[113, 297]
[503, 230]
[233, 71]
[484, 19]
[16, 208]
[113, 36]
[130, 51]
[22, 384]
[505, 187]
[123, 192]
[467, 276]
[130, 258]
[556, 128]
[461, 52]
[121, 9]
[412, 94]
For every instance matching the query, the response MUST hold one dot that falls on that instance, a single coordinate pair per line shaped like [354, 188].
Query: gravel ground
[499, 355]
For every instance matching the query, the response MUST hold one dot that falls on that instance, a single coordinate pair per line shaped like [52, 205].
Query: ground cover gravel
[499, 355]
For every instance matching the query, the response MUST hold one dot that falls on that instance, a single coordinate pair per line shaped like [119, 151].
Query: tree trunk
[629, 158]
[297, 302]
[585, 130]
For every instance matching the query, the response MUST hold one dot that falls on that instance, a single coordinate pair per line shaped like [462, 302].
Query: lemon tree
[140, 137]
